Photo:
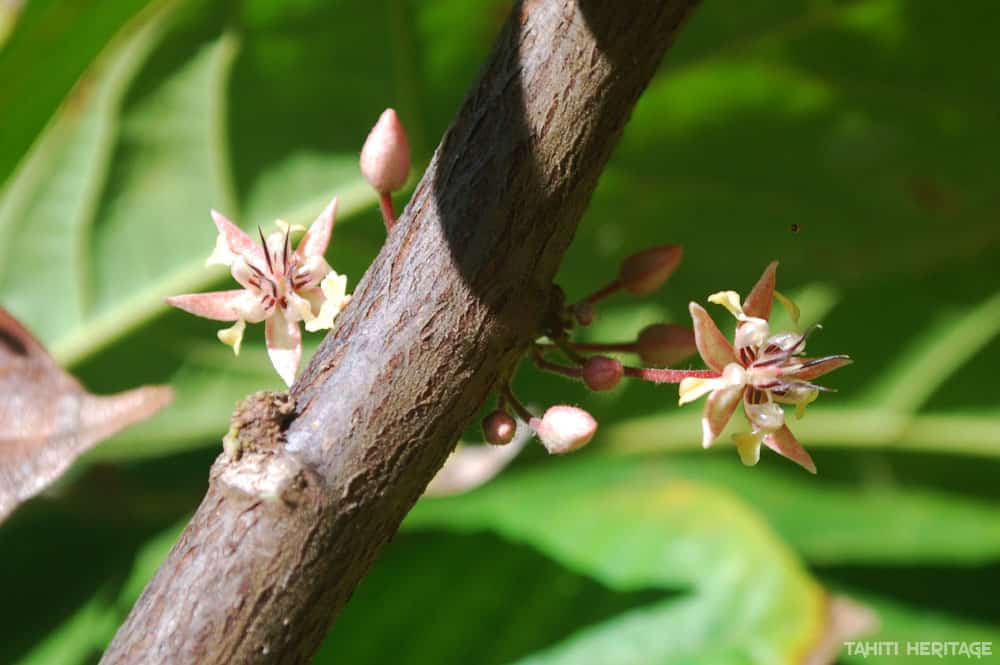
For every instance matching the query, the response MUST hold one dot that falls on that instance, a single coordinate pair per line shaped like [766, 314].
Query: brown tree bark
[313, 485]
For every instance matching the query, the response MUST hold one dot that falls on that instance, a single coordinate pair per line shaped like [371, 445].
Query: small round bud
[385, 157]
[564, 429]
[499, 428]
[645, 272]
[602, 373]
[584, 313]
[665, 344]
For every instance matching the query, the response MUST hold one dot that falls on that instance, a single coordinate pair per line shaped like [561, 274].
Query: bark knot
[258, 424]
[254, 461]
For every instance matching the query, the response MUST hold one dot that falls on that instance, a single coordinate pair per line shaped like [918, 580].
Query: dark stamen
[754, 396]
[267, 252]
[773, 360]
[285, 256]
[825, 359]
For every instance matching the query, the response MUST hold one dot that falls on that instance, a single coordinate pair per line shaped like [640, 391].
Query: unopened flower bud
[584, 313]
[602, 373]
[564, 429]
[385, 157]
[499, 428]
[665, 344]
[645, 272]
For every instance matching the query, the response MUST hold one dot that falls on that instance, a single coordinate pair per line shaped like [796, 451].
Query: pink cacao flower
[281, 287]
[761, 370]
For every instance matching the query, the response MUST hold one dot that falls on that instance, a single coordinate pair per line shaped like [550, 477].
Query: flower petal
[751, 332]
[811, 368]
[310, 272]
[715, 349]
[233, 336]
[235, 240]
[284, 345]
[317, 238]
[718, 410]
[299, 308]
[785, 444]
[801, 395]
[748, 446]
[216, 305]
[758, 302]
[766, 416]
[692, 388]
[335, 298]
[793, 310]
[730, 300]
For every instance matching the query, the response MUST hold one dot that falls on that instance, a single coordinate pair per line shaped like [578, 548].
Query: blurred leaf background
[853, 140]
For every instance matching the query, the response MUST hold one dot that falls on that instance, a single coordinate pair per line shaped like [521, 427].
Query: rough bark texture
[303, 499]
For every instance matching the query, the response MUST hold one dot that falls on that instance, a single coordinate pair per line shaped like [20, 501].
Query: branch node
[258, 424]
[254, 460]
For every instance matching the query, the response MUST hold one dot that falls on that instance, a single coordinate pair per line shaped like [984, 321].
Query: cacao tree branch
[312, 485]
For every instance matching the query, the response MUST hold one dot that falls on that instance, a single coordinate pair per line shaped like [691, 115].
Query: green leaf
[842, 524]
[906, 630]
[631, 528]
[56, 40]
[482, 599]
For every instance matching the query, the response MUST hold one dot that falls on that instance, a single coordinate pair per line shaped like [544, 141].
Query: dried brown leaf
[47, 419]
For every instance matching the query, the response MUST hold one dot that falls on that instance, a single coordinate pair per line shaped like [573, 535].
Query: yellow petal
[692, 388]
[748, 446]
[790, 307]
[335, 296]
[220, 256]
[286, 228]
[233, 336]
[730, 300]
[800, 407]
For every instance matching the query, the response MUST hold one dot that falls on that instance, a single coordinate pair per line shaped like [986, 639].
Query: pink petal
[238, 241]
[217, 305]
[822, 366]
[785, 444]
[758, 303]
[317, 238]
[715, 349]
[718, 410]
[284, 345]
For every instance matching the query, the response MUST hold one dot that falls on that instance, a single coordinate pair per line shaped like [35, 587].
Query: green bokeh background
[870, 124]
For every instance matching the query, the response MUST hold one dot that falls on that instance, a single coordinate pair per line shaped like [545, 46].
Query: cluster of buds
[564, 428]
[761, 370]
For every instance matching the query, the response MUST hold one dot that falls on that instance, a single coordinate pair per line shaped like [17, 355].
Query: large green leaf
[56, 40]
[631, 528]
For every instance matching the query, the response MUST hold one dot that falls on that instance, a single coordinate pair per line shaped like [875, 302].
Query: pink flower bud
[602, 373]
[665, 344]
[564, 429]
[385, 157]
[499, 428]
[645, 272]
